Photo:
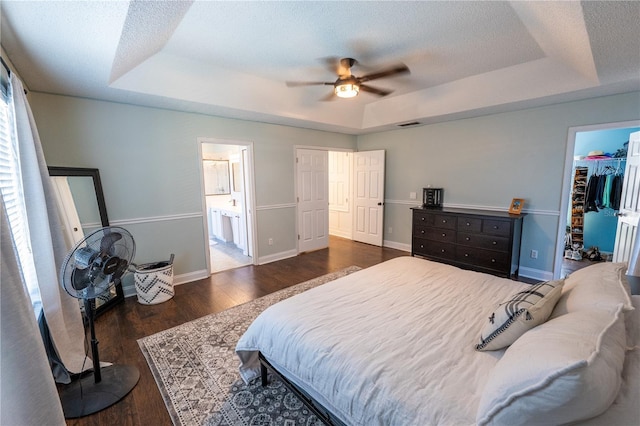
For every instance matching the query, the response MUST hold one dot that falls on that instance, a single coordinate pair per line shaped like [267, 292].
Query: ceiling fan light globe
[347, 90]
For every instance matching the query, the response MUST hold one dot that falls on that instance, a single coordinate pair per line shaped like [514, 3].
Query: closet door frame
[567, 182]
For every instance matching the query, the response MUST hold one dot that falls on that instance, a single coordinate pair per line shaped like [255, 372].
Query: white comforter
[392, 344]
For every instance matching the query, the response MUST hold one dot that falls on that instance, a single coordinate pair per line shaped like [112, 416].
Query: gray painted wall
[148, 160]
[150, 170]
[487, 161]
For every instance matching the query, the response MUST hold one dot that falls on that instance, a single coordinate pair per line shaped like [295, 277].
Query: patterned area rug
[196, 369]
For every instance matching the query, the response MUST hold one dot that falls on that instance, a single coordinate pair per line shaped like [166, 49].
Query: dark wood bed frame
[316, 408]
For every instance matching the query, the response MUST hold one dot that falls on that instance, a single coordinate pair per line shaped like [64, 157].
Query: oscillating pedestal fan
[90, 269]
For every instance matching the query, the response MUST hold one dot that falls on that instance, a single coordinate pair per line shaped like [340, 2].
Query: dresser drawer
[435, 234]
[422, 218]
[496, 227]
[469, 224]
[484, 258]
[440, 234]
[490, 242]
[445, 221]
[434, 249]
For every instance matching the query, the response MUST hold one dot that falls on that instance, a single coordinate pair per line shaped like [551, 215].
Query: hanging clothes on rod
[604, 187]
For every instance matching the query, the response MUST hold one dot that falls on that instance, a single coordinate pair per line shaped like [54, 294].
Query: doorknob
[379, 204]
[618, 214]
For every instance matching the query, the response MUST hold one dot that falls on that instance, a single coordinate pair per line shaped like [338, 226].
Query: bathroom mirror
[237, 177]
[82, 210]
[216, 177]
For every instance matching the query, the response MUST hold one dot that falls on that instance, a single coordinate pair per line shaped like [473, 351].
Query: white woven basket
[155, 285]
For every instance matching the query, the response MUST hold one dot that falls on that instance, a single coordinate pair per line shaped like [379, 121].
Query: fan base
[85, 396]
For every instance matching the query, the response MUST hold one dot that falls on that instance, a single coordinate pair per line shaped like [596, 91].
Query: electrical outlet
[534, 254]
[270, 241]
[390, 230]
[413, 195]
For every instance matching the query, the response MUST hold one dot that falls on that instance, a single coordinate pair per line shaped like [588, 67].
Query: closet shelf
[577, 208]
[592, 160]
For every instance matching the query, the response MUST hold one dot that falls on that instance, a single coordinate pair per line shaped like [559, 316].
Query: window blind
[12, 194]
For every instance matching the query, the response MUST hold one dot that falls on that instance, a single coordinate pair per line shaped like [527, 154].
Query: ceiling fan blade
[374, 90]
[331, 63]
[397, 70]
[329, 97]
[308, 83]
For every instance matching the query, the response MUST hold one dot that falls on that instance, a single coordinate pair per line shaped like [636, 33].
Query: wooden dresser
[481, 240]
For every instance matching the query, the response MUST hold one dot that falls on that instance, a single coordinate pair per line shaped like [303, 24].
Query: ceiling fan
[348, 85]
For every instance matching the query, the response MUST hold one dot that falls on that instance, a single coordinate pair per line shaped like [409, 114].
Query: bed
[411, 341]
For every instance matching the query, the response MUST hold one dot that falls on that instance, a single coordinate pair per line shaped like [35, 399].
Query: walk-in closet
[598, 175]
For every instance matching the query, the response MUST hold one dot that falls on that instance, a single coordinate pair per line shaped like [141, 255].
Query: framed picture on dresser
[516, 205]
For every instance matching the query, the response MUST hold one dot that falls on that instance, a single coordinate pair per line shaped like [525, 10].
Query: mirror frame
[94, 174]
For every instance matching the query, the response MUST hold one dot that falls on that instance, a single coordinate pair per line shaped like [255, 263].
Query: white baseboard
[341, 234]
[396, 245]
[130, 290]
[190, 276]
[536, 274]
[277, 256]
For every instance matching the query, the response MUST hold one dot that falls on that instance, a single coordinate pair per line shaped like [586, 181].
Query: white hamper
[154, 282]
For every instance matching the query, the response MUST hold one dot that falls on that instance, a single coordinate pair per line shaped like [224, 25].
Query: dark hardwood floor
[119, 328]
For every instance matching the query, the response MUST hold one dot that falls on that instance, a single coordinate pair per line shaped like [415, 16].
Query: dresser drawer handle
[444, 220]
[422, 232]
[422, 219]
[466, 255]
[495, 226]
[443, 250]
[468, 224]
[494, 242]
[444, 235]
[468, 239]
[493, 261]
[421, 245]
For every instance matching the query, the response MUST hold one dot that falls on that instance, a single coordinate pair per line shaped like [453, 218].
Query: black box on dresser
[480, 240]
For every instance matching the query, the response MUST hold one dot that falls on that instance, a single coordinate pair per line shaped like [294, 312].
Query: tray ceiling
[232, 58]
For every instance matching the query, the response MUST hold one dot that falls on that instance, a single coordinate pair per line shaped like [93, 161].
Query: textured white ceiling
[231, 58]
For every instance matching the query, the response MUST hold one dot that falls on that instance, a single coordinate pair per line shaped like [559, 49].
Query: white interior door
[313, 199]
[246, 203]
[368, 197]
[629, 214]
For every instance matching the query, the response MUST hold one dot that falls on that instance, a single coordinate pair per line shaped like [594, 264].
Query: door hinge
[298, 236]
[296, 159]
[297, 199]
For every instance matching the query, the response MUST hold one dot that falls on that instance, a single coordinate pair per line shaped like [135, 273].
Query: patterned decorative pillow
[523, 311]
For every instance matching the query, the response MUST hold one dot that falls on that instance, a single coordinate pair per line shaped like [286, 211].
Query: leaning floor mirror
[82, 210]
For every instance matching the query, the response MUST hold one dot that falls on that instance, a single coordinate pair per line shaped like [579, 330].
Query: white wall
[487, 161]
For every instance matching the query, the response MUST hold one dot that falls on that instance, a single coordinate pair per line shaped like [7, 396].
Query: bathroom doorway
[228, 203]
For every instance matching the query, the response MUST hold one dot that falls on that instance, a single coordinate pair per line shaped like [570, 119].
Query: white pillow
[568, 369]
[523, 311]
[602, 285]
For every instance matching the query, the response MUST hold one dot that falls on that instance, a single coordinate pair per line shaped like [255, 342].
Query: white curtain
[27, 390]
[61, 311]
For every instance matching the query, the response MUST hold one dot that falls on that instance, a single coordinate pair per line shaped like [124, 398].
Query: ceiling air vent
[413, 123]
